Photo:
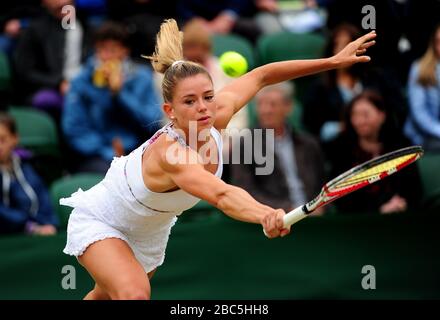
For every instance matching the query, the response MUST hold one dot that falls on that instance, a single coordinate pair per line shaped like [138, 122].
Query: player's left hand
[355, 50]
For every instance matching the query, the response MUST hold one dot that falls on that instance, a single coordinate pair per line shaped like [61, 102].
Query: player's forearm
[239, 205]
[287, 70]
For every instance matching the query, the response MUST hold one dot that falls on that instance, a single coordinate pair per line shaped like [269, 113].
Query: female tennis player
[119, 228]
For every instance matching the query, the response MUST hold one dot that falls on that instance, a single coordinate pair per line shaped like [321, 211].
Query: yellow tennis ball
[233, 63]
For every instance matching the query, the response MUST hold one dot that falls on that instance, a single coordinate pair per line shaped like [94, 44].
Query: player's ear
[168, 110]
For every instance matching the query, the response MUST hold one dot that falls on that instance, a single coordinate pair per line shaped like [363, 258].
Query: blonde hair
[428, 62]
[168, 59]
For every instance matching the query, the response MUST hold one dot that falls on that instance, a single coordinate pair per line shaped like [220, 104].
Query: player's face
[366, 119]
[193, 101]
[272, 109]
[8, 142]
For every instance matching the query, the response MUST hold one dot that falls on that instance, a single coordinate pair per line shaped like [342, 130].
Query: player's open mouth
[204, 118]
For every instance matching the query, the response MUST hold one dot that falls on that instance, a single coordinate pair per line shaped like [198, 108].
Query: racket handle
[292, 217]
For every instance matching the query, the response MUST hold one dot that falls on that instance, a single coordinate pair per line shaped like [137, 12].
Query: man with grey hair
[298, 162]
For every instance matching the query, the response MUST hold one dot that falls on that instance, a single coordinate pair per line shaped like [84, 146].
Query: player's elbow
[260, 75]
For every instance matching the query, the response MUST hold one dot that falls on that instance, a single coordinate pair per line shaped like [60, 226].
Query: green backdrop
[214, 257]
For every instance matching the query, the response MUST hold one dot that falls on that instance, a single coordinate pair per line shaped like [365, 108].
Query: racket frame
[326, 196]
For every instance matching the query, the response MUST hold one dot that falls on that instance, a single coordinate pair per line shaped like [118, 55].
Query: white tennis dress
[122, 207]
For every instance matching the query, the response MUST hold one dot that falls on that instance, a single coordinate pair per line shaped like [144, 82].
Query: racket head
[365, 174]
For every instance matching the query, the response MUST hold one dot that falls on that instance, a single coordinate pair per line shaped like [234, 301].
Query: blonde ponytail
[168, 46]
[168, 59]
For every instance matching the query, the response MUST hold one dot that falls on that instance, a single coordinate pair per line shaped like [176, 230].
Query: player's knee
[132, 292]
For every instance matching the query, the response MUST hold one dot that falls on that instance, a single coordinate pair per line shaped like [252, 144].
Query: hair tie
[177, 62]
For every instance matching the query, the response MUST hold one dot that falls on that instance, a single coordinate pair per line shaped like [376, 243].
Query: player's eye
[209, 98]
[189, 102]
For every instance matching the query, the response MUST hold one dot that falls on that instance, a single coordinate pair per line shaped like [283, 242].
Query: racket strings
[389, 166]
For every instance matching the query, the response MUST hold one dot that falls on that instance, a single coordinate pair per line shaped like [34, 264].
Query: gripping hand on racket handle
[273, 224]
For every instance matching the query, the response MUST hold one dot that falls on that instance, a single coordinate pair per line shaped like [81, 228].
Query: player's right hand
[273, 224]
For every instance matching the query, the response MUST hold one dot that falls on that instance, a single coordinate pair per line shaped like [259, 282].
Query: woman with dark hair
[369, 132]
[327, 97]
[423, 124]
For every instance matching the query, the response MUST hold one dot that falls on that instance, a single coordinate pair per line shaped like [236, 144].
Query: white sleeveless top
[164, 202]
[121, 206]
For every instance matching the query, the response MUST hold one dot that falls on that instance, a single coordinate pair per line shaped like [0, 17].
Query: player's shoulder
[173, 155]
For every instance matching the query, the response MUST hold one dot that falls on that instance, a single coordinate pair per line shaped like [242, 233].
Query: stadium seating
[291, 46]
[64, 187]
[231, 42]
[36, 129]
[5, 72]
[38, 134]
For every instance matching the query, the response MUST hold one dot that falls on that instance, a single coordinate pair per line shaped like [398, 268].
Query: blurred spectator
[421, 18]
[369, 132]
[423, 124]
[221, 16]
[25, 204]
[329, 94]
[388, 21]
[47, 57]
[403, 28]
[111, 105]
[298, 171]
[14, 17]
[143, 19]
[197, 47]
[295, 16]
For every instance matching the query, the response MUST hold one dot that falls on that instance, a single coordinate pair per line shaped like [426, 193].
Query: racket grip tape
[295, 215]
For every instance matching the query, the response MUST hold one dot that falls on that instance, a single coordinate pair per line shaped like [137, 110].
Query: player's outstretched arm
[238, 93]
[233, 201]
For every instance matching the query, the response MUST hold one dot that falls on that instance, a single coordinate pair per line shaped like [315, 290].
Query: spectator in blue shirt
[25, 203]
[111, 105]
[423, 124]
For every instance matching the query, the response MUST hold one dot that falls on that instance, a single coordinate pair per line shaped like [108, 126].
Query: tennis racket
[355, 179]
